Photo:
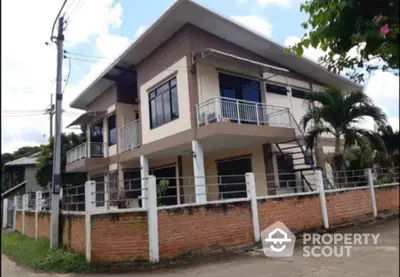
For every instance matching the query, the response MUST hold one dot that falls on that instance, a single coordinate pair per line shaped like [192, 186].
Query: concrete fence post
[152, 211]
[106, 190]
[25, 201]
[90, 205]
[320, 187]
[368, 175]
[5, 213]
[38, 208]
[251, 192]
[15, 213]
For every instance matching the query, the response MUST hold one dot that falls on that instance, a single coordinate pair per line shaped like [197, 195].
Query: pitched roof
[186, 11]
[32, 159]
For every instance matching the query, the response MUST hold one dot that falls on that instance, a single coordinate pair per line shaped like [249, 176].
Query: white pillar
[154, 252]
[25, 201]
[199, 173]
[368, 174]
[144, 173]
[106, 191]
[38, 208]
[299, 183]
[251, 192]
[320, 187]
[5, 212]
[90, 205]
[15, 213]
[88, 141]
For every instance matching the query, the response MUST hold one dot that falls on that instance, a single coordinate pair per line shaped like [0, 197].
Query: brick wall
[44, 225]
[30, 224]
[387, 198]
[202, 228]
[297, 212]
[120, 237]
[348, 205]
[18, 221]
[74, 234]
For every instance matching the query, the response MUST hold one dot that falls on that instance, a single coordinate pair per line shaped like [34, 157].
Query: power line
[55, 20]
[69, 73]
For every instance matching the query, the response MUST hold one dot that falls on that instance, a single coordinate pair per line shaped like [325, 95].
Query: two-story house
[200, 100]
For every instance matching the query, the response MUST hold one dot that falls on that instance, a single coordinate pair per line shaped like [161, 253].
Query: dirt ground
[372, 260]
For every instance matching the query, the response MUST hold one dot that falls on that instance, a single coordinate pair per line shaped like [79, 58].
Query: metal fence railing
[242, 112]
[349, 179]
[73, 198]
[129, 136]
[84, 150]
[383, 176]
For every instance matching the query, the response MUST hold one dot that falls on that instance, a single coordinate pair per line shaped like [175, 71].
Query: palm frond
[315, 132]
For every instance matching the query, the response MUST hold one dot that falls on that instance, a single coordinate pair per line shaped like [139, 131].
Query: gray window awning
[216, 54]
[88, 118]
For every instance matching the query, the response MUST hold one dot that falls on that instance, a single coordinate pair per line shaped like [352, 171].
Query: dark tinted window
[132, 184]
[232, 177]
[299, 93]
[276, 89]
[163, 103]
[96, 132]
[112, 130]
[236, 87]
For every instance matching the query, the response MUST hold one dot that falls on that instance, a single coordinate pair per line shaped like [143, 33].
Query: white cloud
[311, 53]
[29, 69]
[256, 23]
[141, 30]
[280, 3]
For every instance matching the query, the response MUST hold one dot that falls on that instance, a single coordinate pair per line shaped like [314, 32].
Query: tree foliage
[44, 167]
[337, 26]
[340, 115]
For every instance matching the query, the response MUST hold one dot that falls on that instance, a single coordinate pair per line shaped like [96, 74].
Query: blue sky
[104, 28]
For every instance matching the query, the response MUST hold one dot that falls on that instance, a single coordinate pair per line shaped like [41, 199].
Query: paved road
[370, 260]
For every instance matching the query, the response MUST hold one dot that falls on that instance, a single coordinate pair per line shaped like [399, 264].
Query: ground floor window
[99, 189]
[166, 175]
[232, 181]
[286, 171]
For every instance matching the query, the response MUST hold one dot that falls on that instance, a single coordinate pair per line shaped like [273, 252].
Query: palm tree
[340, 114]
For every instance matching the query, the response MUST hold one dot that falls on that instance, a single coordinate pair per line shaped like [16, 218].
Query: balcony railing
[242, 112]
[82, 151]
[129, 136]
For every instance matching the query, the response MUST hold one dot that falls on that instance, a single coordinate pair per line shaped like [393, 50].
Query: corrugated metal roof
[32, 159]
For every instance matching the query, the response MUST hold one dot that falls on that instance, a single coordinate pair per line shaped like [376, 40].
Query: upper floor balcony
[238, 111]
[129, 136]
[86, 156]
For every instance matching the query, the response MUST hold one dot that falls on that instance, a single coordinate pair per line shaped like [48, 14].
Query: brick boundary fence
[124, 236]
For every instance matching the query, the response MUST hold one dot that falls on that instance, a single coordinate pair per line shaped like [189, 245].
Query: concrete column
[320, 187]
[38, 208]
[90, 205]
[251, 192]
[25, 201]
[199, 172]
[154, 252]
[144, 173]
[5, 212]
[15, 213]
[299, 183]
[106, 139]
[368, 174]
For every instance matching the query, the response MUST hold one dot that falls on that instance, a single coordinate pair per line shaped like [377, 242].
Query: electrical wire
[74, 9]
[55, 20]
[69, 74]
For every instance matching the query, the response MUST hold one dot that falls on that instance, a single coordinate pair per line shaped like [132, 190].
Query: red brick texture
[203, 228]
[346, 206]
[44, 225]
[18, 222]
[30, 224]
[387, 198]
[297, 212]
[74, 233]
[120, 237]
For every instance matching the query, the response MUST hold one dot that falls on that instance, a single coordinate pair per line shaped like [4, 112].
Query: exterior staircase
[302, 159]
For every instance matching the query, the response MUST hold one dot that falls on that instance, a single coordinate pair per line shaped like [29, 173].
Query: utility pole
[51, 112]
[55, 200]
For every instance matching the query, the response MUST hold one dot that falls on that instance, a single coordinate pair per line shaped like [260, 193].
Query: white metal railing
[242, 112]
[96, 149]
[77, 153]
[129, 136]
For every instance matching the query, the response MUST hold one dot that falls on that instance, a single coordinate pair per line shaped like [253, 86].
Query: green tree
[336, 26]
[44, 167]
[392, 144]
[338, 114]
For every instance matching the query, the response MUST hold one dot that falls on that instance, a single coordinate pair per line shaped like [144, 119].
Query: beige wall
[105, 100]
[283, 80]
[178, 125]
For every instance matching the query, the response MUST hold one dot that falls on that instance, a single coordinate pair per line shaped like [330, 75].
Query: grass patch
[37, 254]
